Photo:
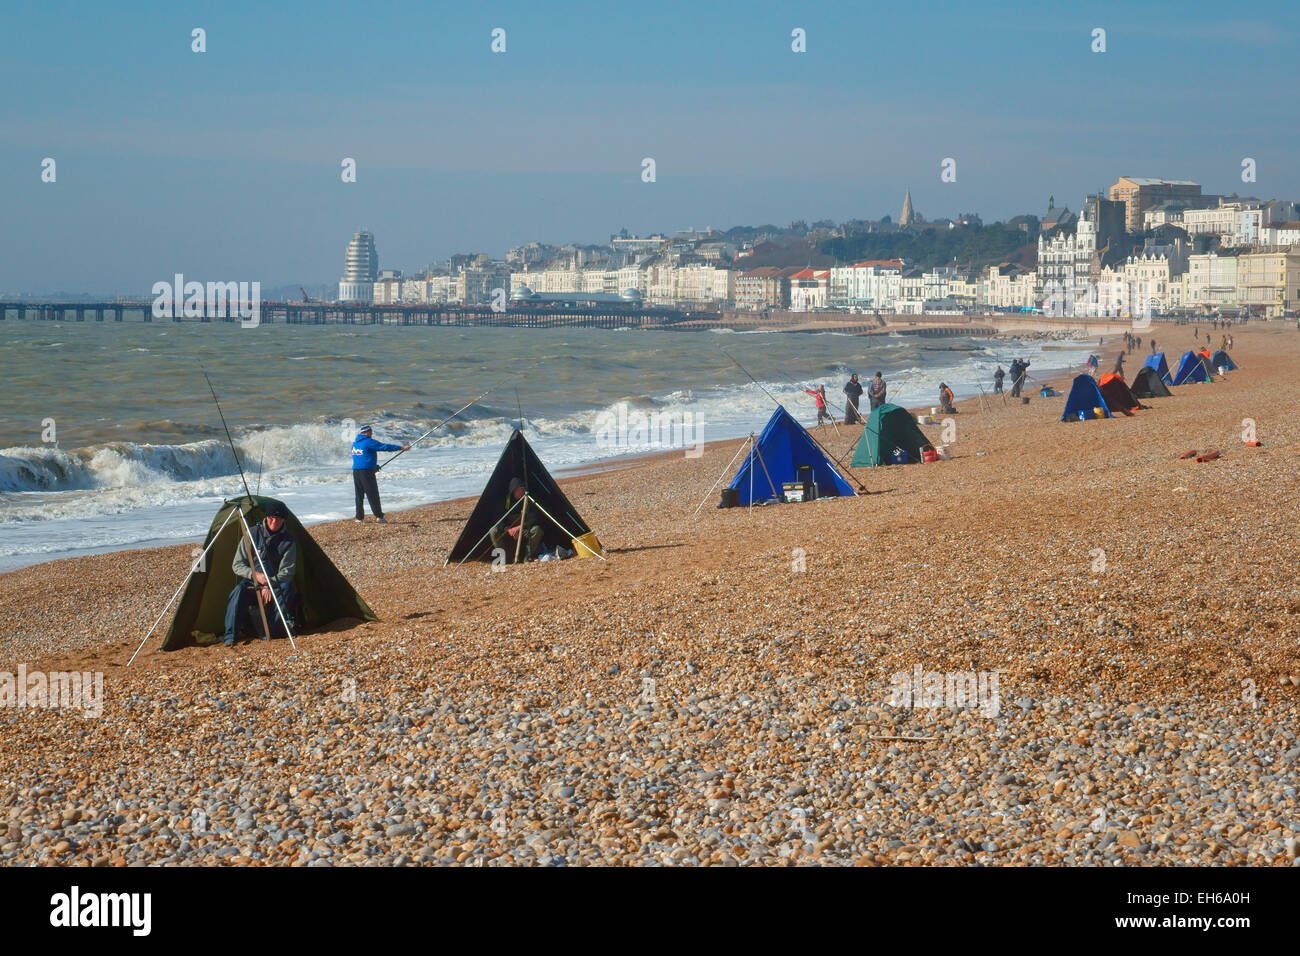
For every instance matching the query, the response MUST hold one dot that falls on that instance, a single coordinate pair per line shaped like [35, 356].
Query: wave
[47, 482]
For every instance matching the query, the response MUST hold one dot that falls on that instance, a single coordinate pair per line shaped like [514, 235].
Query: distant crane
[305, 297]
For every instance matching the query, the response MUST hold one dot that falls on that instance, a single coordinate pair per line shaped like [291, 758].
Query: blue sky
[225, 165]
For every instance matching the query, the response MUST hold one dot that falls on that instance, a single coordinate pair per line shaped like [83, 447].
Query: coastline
[1132, 656]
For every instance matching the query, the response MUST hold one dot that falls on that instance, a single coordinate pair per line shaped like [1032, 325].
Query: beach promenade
[725, 689]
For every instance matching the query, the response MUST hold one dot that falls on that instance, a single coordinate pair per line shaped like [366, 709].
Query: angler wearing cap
[272, 567]
[519, 519]
[365, 467]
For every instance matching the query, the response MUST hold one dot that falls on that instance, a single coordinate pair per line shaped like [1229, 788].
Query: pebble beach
[718, 690]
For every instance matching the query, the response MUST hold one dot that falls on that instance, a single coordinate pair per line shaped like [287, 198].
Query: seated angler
[277, 549]
[522, 514]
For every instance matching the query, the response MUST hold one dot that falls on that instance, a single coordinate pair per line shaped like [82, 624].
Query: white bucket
[923, 419]
[1222, 370]
[945, 454]
[934, 409]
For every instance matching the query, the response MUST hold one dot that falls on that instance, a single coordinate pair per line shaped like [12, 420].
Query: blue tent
[1156, 360]
[1220, 359]
[782, 448]
[1084, 397]
[1191, 368]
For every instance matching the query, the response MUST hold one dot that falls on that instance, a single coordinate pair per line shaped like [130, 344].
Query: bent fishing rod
[441, 423]
[843, 468]
[233, 450]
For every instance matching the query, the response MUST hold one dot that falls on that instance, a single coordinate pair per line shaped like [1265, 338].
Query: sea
[110, 438]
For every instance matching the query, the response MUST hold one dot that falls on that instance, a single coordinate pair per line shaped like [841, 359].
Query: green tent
[323, 593]
[888, 427]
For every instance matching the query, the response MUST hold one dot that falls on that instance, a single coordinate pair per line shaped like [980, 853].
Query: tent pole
[571, 535]
[770, 482]
[470, 552]
[523, 516]
[188, 575]
[844, 470]
[753, 447]
[261, 608]
[284, 621]
[720, 477]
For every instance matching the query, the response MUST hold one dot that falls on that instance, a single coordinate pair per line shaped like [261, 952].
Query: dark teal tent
[1083, 398]
[1220, 359]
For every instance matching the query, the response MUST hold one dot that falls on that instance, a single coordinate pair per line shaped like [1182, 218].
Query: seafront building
[1095, 263]
[361, 269]
[1139, 193]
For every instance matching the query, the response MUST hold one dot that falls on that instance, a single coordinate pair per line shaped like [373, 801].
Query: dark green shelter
[888, 427]
[323, 593]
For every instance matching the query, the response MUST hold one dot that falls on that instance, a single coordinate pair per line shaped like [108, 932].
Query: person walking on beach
[1119, 365]
[277, 552]
[1153, 346]
[1229, 343]
[997, 380]
[852, 389]
[364, 469]
[876, 391]
[819, 396]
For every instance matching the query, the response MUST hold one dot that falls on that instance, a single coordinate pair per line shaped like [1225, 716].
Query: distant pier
[313, 313]
[611, 316]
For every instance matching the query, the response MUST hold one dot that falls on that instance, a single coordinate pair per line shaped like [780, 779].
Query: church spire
[905, 217]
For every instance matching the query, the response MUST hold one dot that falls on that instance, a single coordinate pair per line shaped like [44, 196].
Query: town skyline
[227, 162]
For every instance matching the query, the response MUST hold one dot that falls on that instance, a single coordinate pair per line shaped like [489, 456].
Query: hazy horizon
[225, 165]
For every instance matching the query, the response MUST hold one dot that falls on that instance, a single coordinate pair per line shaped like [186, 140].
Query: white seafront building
[361, 269]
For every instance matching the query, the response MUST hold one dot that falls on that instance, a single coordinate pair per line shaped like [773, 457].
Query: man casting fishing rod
[364, 468]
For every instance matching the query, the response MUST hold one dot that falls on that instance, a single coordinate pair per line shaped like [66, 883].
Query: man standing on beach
[1119, 365]
[277, 552]
[997, 380]
[1021, 374]
[876, 391]
[364, 469]
[819, 397]
[1153, 346]
[853, 389]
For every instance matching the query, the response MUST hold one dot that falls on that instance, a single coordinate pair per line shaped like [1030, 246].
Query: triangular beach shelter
[322, 592]
[1119, 397]
[1148, 384]
[1157, 361]
[561, 523]
[888, 427]
[785, 452]
[1191, 368]
[1084, 397]
[1220, 359]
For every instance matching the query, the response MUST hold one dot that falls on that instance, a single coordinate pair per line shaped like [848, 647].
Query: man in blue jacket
[364, 469]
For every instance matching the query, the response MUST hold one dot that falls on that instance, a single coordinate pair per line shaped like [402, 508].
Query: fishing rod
[820, 408]
[253, 553]
[261, 463]
[441, 423]
[234, 451]
[843, 467]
